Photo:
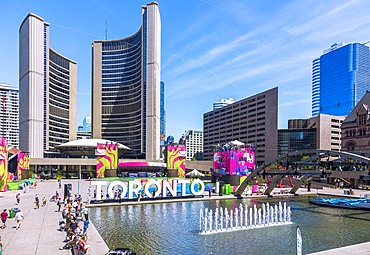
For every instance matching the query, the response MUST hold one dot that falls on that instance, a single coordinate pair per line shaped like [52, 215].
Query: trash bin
[11, 213]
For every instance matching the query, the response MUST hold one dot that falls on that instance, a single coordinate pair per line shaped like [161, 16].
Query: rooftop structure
[87, 147]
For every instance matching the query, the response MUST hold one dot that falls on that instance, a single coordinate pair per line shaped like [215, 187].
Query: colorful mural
[107, 158]
[3, 164]
[23, 163]
[234, 162]
[176, 157]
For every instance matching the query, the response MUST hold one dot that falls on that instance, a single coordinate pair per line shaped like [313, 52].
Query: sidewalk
[39, 231]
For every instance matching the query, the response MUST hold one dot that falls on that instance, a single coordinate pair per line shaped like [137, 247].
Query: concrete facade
[328, 131]
[9, 114]
[47, 91]
[194, 144]
[126, 88]
[252, 120]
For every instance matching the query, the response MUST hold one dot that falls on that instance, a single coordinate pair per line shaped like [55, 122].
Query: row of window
[58, 68]
[131, 52]
[129, 90]
[59, 77]
[352, 133]
[135, 65]
[58, 60]
[131, 72]
[119, 47]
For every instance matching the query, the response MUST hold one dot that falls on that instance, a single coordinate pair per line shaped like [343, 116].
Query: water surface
[173, 228]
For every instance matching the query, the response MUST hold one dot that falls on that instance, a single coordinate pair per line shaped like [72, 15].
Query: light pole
[79, 179]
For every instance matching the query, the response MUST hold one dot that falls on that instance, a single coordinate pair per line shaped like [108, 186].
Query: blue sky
[211, 49]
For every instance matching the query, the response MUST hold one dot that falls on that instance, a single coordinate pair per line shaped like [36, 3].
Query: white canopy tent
[195, 172]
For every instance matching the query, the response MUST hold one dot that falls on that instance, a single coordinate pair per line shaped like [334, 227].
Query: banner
[23, 163]
[107, 158]
[234, 162]
[3, 164]
[176, 158]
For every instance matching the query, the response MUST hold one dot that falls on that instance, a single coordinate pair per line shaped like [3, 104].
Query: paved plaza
[39, 231]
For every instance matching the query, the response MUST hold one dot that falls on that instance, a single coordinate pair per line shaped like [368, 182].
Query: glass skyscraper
[126, 88]
[340, 78]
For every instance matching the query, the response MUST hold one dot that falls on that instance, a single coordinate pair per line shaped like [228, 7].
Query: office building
[126, 88]
[340, 78]
[163, 111]
[290, 140]
[9, 114]
[322, 132]
[222, 103]
[252, 120]
[194, 144]
[47, 92]
[83, 135]
[86, 124]
[356, 128]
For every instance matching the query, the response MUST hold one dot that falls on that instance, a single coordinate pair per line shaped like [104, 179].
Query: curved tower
[61, 101]
[47, 92]
[126, 88]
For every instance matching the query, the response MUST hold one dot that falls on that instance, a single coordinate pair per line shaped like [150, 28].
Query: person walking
[18, 218]
[37, 202]
[18, 198]
[59, 204]
[4, 216]
[43, 201]
[86, 226]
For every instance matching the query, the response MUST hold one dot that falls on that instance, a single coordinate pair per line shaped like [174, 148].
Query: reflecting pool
[173, 228]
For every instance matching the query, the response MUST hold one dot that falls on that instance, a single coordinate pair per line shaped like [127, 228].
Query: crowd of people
[75, 219]
[75, 223]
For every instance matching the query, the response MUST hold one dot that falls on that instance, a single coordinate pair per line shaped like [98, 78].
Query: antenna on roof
[106, 30]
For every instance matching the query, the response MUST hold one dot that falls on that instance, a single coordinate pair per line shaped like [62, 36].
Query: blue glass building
[340, 78]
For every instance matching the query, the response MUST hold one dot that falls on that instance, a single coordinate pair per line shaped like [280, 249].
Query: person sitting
[69, 245]
[351, 191]
[83, 244]
[62, 226]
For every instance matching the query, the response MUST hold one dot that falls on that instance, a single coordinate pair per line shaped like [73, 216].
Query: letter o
[116, 183]
[200, 189]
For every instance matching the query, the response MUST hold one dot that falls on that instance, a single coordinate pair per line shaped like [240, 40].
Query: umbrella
[208, 187]
[195, 172]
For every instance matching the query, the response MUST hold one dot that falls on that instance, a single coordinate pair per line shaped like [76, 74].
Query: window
[351, 146]
[362, 119]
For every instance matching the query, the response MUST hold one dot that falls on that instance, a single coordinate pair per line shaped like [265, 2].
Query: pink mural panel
[234, 162]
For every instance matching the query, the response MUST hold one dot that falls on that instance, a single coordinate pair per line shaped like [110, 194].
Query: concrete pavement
[39, 231]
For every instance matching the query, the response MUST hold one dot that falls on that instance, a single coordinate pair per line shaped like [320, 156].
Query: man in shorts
[19, 217]
[4, 216]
